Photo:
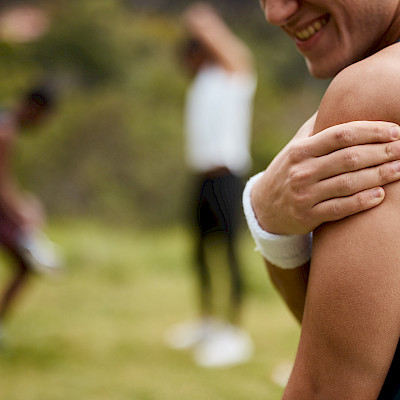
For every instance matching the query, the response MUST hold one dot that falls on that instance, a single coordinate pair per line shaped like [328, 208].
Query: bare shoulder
[354, 274]
[367, 90]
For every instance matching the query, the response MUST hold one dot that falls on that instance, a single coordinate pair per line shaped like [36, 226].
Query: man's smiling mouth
[311, 29]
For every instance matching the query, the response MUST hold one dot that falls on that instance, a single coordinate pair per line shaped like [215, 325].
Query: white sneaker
[224, 348]
[42, 254]
[188, 334]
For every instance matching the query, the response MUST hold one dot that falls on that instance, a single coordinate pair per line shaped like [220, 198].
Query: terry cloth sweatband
[284, 251]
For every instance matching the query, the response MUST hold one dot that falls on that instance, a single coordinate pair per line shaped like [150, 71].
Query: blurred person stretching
[21, 214]
[218, 135]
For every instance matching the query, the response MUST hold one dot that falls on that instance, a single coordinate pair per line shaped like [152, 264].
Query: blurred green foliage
[114, 147]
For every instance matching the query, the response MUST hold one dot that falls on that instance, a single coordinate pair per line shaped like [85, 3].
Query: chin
[323, 71]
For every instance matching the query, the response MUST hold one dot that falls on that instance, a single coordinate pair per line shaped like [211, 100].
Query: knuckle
[298, 151]
[297, 205]
[388, 151]
[384, 173]
[351, 159]
[392, 151]
[342, 208]
[378, 130]
[361, 201]
[343, 136]
[336, 210]
[302, 204]
[387, 173]
[298, 176]
[347, 183]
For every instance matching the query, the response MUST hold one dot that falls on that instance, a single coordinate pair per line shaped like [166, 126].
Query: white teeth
[311, 30]
[317, 25]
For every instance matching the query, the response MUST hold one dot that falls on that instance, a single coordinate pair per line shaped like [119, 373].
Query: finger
[353, 182]
[355, 158]
[339, 208]
[352, 134]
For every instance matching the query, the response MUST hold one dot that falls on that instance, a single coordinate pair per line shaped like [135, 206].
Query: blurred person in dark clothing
[218, 135]
[22, 217]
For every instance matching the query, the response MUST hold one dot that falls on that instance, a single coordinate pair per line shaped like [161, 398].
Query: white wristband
[284, 251]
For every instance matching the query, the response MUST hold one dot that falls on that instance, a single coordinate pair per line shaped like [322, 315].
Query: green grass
[97, 333]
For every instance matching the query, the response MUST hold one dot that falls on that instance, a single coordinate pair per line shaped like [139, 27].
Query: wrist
[263, 211]
[284, 251]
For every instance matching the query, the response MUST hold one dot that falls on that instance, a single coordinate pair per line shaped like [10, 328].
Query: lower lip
[307, 45]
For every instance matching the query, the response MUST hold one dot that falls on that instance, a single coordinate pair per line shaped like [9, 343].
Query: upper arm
[351, 321]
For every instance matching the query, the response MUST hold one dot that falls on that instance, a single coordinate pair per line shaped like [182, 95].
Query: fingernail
[395, 132]
[397, 166]
[378, 193]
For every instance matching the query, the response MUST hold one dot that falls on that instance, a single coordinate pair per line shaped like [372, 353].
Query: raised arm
[204, 23]
[351, 321]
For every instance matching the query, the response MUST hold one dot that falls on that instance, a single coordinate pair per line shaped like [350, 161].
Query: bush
[114, 147]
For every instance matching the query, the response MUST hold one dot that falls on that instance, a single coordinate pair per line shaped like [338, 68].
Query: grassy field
[97, 332]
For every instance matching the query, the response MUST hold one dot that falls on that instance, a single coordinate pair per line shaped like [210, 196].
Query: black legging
[218, 212]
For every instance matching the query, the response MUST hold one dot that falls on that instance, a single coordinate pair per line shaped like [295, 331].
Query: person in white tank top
[218, 114]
